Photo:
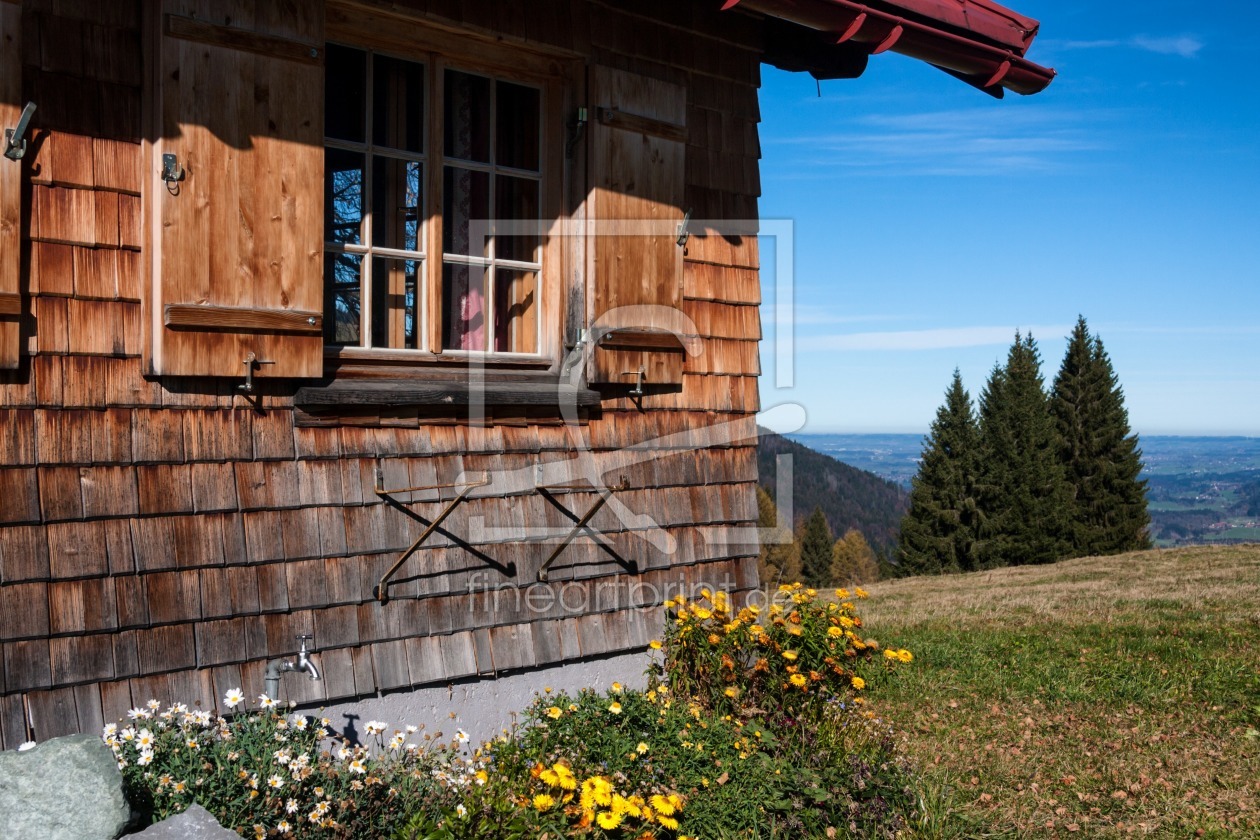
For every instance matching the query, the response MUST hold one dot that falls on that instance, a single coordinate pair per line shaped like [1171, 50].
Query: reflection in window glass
[398, 104]
[395, 307]
[343, 196]
[342, 298]
[396, 203]
[515, 311]
[466, 199]
[466, 117]
[463, 307]
[516, 207]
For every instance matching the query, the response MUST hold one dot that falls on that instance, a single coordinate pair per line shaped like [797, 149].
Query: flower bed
[752, 725]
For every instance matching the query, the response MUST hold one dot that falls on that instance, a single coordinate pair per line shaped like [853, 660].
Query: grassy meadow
[1098, 697]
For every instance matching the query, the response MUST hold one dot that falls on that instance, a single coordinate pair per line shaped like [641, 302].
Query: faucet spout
[278, 666]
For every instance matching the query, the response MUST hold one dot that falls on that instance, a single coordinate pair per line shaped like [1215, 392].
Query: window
[435, 189]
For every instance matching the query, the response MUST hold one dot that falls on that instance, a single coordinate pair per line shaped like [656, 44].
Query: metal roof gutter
[977, 41]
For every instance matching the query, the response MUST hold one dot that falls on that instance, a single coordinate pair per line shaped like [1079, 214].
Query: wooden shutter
[238, 242]
[638, 151]
[10, 185]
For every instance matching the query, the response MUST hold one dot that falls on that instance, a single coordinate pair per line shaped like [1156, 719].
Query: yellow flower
[616, 688]
[793, 630]
[889, 653]
[641, 748]
[655, 644]
[858, 683]
[544, 801]
[860, 593]
[789, 655]
[835, 632]
[798, 680]
[731, 692]
[662, 805]
[905, 655]
[554, 713]
[701, 613]
[842, 594]
[667, 822]
[608, 820]
[714, 639]
[614, 707]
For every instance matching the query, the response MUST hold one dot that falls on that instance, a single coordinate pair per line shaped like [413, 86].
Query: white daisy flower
[461, 736]
[266, 702]
[146, 758]
[291, 806]
[233, 698]
[374, 727]
[153, 705]
[275, 782]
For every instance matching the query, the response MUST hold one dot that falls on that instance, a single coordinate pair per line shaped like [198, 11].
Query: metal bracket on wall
[381, 590]
[605, 493]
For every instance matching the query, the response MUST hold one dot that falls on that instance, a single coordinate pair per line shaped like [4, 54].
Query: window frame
[440, 49]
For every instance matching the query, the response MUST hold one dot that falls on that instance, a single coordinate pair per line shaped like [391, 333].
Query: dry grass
[1101, 697]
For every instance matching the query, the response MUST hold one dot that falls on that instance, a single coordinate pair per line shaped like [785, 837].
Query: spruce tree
[779, 560]
[816, 542]
[1100, 455]
[938, 532]
[853, 561]
[1021, 489]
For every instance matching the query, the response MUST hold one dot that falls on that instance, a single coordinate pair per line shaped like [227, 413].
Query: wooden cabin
[426, 328]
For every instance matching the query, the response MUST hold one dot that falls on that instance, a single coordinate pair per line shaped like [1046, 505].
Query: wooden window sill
[542, 392]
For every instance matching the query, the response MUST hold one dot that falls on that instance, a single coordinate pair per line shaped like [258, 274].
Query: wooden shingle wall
[165, 538]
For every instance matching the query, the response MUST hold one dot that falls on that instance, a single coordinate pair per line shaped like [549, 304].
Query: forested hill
[849, 497]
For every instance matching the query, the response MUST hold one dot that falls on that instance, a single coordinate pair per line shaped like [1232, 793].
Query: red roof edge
[978, 41]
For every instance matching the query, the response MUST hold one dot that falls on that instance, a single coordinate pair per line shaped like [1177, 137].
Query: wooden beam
[10, 303]
[615, 118]
[190, 29]
[632, 339]
[198, 317]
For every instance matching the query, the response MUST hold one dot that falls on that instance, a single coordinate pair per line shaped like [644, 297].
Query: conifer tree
[938, 532]
[1021, 489]
[779, 560]
[853, 561]
[1100, 455]
[816, 543]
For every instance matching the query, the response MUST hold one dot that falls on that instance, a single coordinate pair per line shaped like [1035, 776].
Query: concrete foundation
[482, 708]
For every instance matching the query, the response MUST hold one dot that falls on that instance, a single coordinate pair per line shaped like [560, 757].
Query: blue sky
[930, 221]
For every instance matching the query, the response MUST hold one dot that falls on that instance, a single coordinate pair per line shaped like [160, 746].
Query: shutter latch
[683, 233]
[14, 144]
[172, 172]
[250, 361]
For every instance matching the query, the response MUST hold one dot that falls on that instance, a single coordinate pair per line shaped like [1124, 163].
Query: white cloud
[1184, 46]
[966, 141]
[934, 339]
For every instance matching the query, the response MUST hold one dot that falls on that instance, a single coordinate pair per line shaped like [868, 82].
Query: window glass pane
[342, 298]
[397, 104]
[343, 196]
[516, 127]
[396, 203]
[395, 306]
[466, 199]
[466, 114]
[345, 84]
[463, 307]
[515, 311]
[516, 206]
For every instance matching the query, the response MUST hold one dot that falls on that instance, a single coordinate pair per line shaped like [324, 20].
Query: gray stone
[64, 789]
[194, 824]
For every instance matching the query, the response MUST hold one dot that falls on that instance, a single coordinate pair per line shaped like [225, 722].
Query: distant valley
[1201, 490]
